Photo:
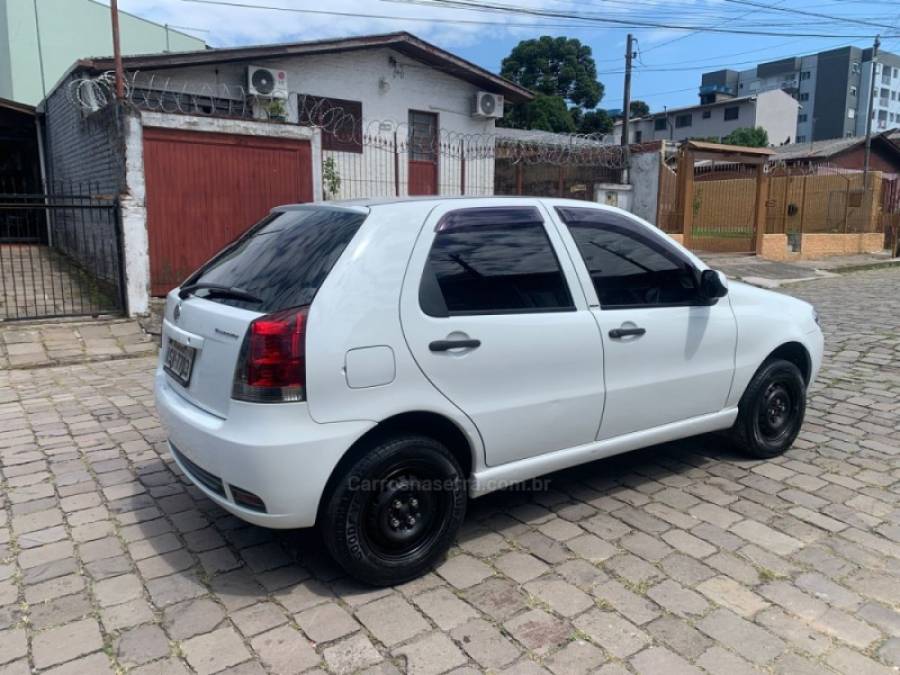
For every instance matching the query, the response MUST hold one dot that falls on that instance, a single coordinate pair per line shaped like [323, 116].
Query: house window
[854, 68]
[659, 124]
[801, 118]
[684, 120]
[707, 114]
[805, 95]
[853, 91]
[638, 136]
[340, 121]
[851, 113]
[732, 113]
[805, 75]
[801, 139]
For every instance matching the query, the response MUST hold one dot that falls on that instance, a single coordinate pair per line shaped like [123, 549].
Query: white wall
[362, 76]
[644, 178]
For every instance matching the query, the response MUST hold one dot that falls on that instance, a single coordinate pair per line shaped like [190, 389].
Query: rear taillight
[272, 365]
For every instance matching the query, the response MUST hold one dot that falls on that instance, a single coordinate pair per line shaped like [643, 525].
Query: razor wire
[164, 94]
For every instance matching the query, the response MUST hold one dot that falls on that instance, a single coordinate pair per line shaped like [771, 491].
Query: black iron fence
[60, 254]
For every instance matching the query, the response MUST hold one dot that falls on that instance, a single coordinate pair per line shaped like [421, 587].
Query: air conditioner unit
[267, 82]
[487, 105]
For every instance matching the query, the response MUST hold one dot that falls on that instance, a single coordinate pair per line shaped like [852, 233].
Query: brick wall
[85, 156]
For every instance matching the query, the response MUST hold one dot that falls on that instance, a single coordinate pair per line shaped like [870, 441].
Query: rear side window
[493, 261]
[283, 259]
[629, 267]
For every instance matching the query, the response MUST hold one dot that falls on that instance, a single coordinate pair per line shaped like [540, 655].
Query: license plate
[179, 361]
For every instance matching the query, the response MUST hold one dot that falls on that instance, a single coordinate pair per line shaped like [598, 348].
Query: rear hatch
[279, 263]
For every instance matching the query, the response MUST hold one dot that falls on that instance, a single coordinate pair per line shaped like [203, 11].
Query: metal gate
[723, 201]
[60, 255]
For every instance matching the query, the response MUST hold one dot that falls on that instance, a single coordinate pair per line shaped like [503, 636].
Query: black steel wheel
[394, 513]
[771, 410]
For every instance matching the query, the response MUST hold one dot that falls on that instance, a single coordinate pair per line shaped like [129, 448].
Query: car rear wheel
[394, 513]
[771, 410]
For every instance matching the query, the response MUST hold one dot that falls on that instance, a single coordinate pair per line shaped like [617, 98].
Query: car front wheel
[394, 513]
[771, 410]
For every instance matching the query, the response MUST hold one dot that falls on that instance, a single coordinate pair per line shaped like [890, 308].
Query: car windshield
[281, 261]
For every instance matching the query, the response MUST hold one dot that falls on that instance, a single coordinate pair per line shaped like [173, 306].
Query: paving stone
[212, 652]
[730, 594]
[139, 645]
[679, 636]
[126, 615]
[284, 651]
[325, 623]
[13, 645]
[391, 620]
[175, 588]
[483, 642]
[522, 567]
[561, 596]
[64, 643]
[745, 638]
[118, 589]
[576, 658]
[95, 664]
[677, 599]
[718, 661]
[193, 617]
[463, 571]
[538, 631]
[497, 598]
[661, 660]
[351, 655]
[444, 608]
[431, 655]
[58, 611]
[616, 635]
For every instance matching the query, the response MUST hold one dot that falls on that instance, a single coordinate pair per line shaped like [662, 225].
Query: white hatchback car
[367, 367]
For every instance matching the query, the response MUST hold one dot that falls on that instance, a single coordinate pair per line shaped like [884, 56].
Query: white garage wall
[389, 85]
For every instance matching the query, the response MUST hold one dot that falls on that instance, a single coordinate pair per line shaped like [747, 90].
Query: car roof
[356, 204]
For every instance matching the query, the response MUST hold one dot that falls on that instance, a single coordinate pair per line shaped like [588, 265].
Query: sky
[669, 60]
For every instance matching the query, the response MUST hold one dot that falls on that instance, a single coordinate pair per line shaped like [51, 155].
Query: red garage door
[205, 189]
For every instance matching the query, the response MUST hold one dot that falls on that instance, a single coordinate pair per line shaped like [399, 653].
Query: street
[683, 558]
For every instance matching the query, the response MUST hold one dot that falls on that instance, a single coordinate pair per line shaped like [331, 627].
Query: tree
[594, 122]
[752, 137]
[562, 72]
[639, 109]
[555, 67]
[548, 113]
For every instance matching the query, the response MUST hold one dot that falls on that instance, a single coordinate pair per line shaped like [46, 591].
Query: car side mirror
[711, 286]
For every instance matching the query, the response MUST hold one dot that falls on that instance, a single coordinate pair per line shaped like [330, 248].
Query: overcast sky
[670, 62]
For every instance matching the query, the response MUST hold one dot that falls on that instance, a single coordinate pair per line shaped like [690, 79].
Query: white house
[208, 141]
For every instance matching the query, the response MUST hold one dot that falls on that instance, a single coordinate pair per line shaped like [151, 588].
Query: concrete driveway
[676, 559]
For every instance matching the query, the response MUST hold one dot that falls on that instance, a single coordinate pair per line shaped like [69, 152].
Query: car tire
[771, 410]
[395, 511]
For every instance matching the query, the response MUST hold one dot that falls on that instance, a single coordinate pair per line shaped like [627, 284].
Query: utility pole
[626, 99]
[870, 113]
[117, 52]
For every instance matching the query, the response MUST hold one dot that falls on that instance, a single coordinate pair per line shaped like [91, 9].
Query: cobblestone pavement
[677, 559]
[43, 344]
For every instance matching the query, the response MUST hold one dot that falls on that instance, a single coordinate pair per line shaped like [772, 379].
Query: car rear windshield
[281, 260]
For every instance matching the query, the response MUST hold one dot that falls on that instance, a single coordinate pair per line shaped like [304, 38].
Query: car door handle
[446, 345]
[625, 332]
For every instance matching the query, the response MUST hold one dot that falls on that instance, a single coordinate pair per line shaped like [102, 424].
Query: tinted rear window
[282, 260]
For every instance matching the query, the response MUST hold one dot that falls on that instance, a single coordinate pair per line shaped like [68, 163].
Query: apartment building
[830, 86]
[774, 111]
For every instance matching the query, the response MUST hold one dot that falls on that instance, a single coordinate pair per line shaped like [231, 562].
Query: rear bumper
[275, 451]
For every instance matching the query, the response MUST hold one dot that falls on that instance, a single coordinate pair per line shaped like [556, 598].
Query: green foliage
[748, 136]
[639, 109]
[548, 113]
[593, 121]
[561, 71]
[331, 177]
[555, 67]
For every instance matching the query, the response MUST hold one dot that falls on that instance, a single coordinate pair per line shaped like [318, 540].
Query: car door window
[629, 267]
[493, 261]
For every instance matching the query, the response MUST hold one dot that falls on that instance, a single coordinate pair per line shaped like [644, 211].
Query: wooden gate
[205, 189]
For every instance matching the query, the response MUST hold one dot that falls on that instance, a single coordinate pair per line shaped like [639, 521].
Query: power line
[633, 23]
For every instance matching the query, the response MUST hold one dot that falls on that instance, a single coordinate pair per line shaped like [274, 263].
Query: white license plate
[179, 361]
